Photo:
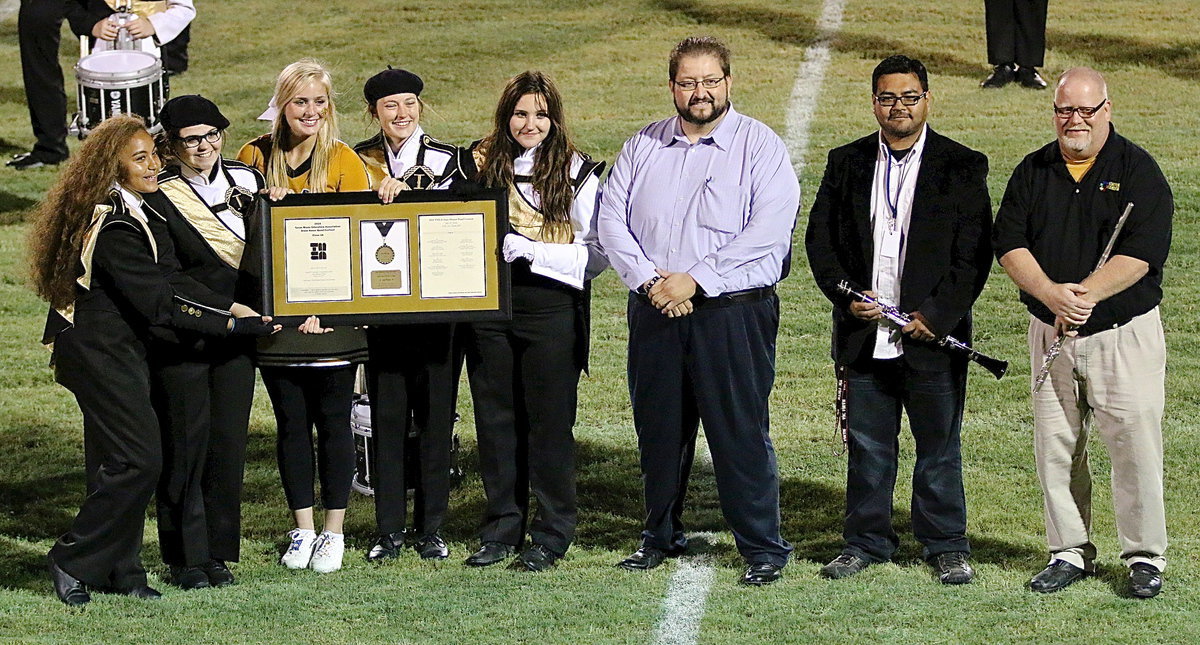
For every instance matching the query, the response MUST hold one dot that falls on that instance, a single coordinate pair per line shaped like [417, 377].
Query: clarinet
[994, 365]
[1056, 347]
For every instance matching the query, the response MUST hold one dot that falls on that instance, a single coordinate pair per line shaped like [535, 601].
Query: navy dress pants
[716, 367]
[878, 391]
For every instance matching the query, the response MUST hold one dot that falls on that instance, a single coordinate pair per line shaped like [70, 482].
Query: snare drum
[119, 82]
[364, 457]
[364, 463]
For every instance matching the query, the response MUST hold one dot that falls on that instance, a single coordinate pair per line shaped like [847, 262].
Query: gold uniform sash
[140, 8]
[224, 243]
[527, 220]
[99, 214]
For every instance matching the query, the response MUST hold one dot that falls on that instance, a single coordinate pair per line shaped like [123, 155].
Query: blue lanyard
[894, 208]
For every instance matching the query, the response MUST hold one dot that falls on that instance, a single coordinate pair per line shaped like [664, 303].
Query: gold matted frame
[429, 256]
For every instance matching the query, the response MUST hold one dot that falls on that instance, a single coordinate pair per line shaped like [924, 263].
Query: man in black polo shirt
[1058, 213]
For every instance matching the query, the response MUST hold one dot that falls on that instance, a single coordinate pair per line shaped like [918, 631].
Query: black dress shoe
[1145, 580]
[1001, 75]
[386, 547]
[189, 577]
[432, 547]
[536, 558]
[644, 559]
[69, 590]
[27, 160]
[1029, 77]
[844, 566]
[490, 553]
[218, 573]
[952, 568]
[143, 591]
[1057, 575]
[762, 573]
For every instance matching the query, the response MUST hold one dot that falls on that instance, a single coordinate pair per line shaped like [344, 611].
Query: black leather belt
[726, 299]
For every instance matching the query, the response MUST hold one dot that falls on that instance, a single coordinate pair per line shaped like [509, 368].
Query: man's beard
[717, 111]
[901, 129]
[1076, 144]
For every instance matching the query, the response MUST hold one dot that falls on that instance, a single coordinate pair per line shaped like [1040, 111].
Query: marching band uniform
[169, 17]
[101, 356]
[204, 394]
[411, 373]
[524, 373]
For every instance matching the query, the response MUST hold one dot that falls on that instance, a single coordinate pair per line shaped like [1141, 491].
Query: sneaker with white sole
[300, 551]
[327, 556]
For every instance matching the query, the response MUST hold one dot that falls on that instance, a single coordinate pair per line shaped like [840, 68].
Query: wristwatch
[645, 288]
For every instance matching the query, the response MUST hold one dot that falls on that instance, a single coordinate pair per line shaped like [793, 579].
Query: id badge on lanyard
[890, 245]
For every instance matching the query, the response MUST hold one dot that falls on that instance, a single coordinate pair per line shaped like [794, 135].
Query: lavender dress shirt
[721, 209]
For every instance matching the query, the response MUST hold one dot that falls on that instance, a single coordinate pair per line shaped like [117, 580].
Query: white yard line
[803, 102]
[683, 608]
[8, 9]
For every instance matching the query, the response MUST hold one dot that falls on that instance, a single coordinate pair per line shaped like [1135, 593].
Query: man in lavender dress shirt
[696, 218]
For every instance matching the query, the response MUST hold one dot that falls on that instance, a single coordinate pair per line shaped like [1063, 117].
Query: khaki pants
[1116, 379]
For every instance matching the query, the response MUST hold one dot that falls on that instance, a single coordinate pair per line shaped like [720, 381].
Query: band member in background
[154, 23]
[903, 215]
[309, 373]
[96, 257]
[697, 219]
[39, 31]
[524, 373]
[203, 394]
[1058, 214]
[411, 375]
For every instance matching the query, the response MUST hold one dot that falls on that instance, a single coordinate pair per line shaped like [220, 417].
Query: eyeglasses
[1084, 112]
[706, 83]
[211, 136]
[888, 100]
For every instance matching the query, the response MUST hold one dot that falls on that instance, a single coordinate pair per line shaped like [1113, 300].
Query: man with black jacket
[903, 215]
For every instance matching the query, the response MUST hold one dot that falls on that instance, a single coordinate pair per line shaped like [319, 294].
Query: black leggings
[303, 397]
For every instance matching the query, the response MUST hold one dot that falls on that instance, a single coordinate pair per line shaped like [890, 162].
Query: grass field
[610, 62]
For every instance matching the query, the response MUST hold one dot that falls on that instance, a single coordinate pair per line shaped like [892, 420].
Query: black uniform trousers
[878, 391]
[1016, 32]
[103, 363]
[715, 366]
[39, 27]
[524, 377]
[304, 397]
[411, 382]
[204, 411]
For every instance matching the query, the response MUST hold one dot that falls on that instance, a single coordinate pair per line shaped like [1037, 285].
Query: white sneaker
[327, 556]
[300, 551]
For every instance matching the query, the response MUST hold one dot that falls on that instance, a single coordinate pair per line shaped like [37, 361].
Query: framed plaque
[429, 256]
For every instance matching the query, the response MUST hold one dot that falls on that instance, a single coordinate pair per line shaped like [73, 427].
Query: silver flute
[1056, 347]
[994, 365]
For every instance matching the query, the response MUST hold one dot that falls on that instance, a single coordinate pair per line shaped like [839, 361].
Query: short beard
[717, 112]
[1074, 144]
[895, 132]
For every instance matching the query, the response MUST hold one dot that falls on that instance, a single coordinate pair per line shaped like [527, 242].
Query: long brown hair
[552, 162]
[56, 238]
[291, 81]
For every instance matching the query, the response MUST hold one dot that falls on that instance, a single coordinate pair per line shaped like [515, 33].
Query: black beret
[391, 81]
[188, 110]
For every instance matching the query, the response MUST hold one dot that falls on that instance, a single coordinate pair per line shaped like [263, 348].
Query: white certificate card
[317, 262]
[452, 255]
[385, 258]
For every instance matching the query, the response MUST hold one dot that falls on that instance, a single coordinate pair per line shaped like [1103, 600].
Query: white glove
[518, 246]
